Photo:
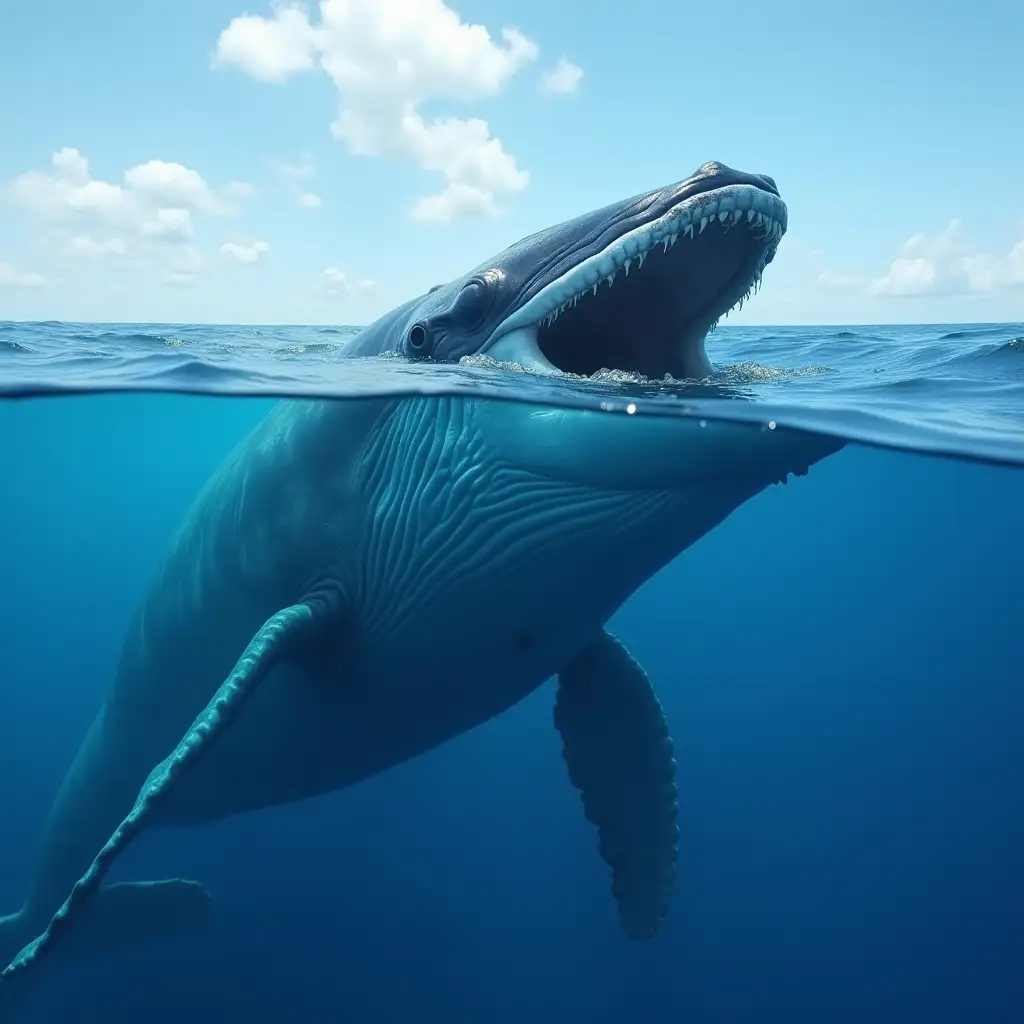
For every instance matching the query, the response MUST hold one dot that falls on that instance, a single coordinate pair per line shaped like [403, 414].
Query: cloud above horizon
[945, 264]
[387, 59]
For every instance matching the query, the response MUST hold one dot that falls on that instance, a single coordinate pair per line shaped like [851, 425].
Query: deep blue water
[840, 662]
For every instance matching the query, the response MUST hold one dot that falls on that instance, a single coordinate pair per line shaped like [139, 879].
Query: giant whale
[362, 580]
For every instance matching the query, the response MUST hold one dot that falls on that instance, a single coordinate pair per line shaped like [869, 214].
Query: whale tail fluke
[130, 912]
[98, 916]
[120, 915]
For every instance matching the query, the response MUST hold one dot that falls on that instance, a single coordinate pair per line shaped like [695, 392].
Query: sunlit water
[839, 661]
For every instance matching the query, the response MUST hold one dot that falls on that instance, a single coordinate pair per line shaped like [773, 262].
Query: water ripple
[949, 389]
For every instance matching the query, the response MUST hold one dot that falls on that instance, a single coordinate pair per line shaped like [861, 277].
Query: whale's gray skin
[362, 580]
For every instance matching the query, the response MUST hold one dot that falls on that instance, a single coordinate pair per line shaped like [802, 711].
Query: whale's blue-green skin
[471, 549]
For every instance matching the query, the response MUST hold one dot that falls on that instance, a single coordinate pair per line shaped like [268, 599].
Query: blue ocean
[840, 662]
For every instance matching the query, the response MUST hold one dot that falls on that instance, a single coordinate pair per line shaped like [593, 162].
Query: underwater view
[511, 516]
[838, 663]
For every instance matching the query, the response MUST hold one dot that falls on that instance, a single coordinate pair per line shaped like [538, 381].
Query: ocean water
[840, 662]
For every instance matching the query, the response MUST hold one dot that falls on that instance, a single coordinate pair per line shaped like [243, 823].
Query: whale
[363, 579]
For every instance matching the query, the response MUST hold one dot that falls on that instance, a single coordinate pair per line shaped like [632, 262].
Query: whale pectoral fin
[617, 747]
[277, 637]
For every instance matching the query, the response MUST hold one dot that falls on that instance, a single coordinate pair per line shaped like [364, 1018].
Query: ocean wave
[951, 389]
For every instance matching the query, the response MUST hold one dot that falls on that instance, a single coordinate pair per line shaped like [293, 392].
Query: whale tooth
[610, 279]
[672, 238]
[594, 292]
[664, 242]
[641, 258]
[722, 215]
[703, 225]
[689, 230]
[626, 266]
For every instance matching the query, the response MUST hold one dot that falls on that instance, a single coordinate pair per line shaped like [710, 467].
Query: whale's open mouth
[646, 300]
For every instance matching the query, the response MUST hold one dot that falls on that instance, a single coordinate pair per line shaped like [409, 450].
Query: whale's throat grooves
[455, 531]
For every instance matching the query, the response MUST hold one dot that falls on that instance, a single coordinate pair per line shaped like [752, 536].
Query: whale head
[633, 286]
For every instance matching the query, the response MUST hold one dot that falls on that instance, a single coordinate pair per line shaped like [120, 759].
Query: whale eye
[417, 337]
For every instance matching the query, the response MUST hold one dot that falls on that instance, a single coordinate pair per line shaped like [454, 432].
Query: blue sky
[239, 161]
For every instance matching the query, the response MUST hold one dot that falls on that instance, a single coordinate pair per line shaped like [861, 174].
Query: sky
[240, 161]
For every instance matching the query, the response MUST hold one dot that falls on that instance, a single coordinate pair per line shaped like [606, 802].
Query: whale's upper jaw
[642, 294]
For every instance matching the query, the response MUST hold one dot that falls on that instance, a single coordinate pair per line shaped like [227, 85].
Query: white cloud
[907, 277]
[299, 170]
[71, 165]
[85, 247]
[335, 282]
[256, 252]
[173, 184]
[68, 191]
[386, 58]
[240, 190]
[833, 280]
[156, 199]
[457, 200]
[270, 49]
[564, 77]
[11, 277]
[295, 173]
[170, 223]
[944, 264]
[150, 215]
